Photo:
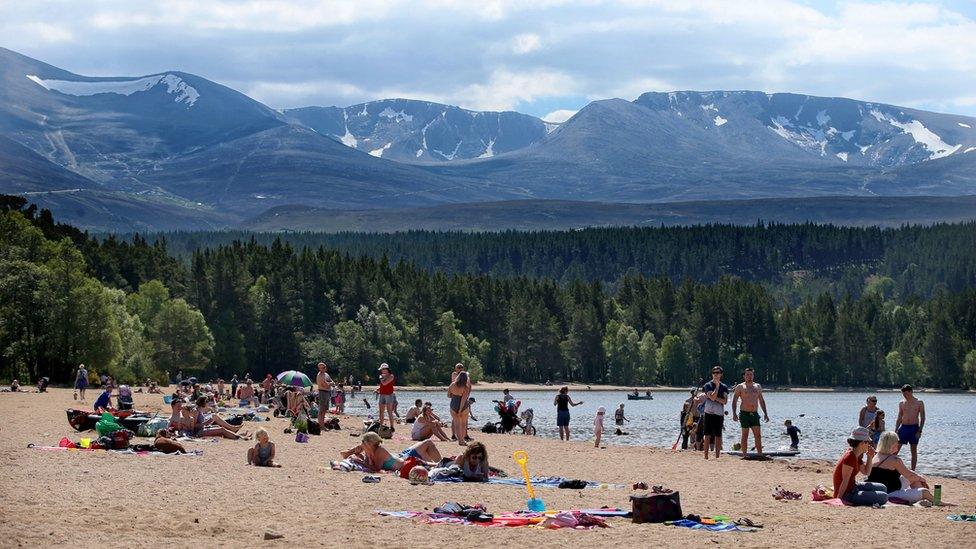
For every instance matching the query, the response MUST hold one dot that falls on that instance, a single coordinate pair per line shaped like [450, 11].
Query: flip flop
[746, 521]
[370, 479]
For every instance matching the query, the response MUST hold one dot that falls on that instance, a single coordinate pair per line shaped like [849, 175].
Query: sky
[547, 58]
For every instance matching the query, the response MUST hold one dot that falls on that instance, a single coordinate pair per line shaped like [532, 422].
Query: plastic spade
[534, 504]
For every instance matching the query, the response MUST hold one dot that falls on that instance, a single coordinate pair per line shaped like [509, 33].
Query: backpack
[656, 507]
[384, 431]
[490, 428]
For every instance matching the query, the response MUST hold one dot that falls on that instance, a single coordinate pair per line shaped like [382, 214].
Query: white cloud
[505, 89]
[48, 33]
[526, 43]
[559, 116]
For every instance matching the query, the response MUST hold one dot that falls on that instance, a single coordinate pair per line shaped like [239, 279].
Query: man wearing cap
[324, 383]
[911, 419]
[748, 418]
[716, 395]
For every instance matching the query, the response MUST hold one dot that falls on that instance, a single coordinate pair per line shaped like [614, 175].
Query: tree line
[247, 306]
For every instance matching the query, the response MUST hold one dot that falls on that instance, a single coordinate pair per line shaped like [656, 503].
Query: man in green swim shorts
[748, 417]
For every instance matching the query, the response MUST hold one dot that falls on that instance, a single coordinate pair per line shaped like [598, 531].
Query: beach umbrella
[294, 378]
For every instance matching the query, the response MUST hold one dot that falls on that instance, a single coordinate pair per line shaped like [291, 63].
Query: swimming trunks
[386, 399]
[410, 452]
[325, 396]
[748, 419]
[908, 434]
[713, 425]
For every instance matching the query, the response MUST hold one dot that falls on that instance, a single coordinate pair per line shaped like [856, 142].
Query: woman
[850, 464]
[900, 481]
[371, 454]
[202, 424]
[867, 415]
[427, 424]
[386, 397]
[474, 463]
[562, 402]
[459, 391]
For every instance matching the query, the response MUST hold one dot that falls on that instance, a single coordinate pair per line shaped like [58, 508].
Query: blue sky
[543, 57]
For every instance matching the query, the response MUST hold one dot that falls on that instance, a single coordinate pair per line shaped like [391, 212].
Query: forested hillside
[270, 307]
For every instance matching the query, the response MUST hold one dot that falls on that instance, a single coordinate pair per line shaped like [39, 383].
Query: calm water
[947, 446]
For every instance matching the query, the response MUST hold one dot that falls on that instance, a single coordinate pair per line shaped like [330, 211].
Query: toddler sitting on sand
[263, 453]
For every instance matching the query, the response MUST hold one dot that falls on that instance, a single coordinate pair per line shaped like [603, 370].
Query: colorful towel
[537, 482]
[719, 527]
[576, 520]
[836, 502]
[193, 453]
[962, 518]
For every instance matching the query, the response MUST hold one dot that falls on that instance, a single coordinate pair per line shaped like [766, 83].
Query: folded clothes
[576, 520]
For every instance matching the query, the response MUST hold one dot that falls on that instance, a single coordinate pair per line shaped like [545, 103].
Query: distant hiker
[794, 433]
[911, 420]
[716, 395]
[748, 417]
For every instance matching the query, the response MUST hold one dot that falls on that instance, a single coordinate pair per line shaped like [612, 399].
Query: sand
[88, 499]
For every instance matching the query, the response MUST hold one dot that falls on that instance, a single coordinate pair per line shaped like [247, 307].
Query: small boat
[632, 396]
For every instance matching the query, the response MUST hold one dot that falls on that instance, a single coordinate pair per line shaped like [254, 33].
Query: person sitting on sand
[201, 424]
[245, 394]
[263, 453]
[427, 425]
[297, 403]
[373, 457]
[474, 463]
[104, 400]
[850, 464]
[414, 411]
[900, 481]
[164, 442]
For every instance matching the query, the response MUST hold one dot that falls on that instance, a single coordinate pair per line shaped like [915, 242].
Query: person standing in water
[911, 420]
[562, 402]
[868, 412]
[752, 399]
[716, 395]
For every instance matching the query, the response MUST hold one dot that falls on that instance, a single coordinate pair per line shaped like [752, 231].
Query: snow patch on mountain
[489, 150]
[719, 120]
[823, 118]
[812, 139]
[842, 156]
[378, 153]
[348, 139]
[964, 125]
[175, 85]
[550, 127]
[970, 149]
[399, 116]
[922, 135]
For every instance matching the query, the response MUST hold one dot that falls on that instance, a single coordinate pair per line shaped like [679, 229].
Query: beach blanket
[537, 482]
[193, 453]
[575, 520]
[720, 527]
[836, 502]
[962, 518]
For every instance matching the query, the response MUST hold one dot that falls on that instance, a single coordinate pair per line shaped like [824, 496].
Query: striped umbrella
[294, 378]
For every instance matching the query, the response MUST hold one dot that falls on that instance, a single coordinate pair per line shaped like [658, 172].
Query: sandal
[746, 521]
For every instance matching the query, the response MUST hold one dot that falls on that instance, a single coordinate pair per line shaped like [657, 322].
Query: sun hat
[861, 433]
[383, 366]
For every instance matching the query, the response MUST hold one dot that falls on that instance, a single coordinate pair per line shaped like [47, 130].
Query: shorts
[325, 399]
[81, 384]
[908, 434]
[386, 399]
[713, 425]
[748, 419]
[410, 453]
[562, 418]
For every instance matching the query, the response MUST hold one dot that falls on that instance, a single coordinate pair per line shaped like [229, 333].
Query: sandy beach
[99, 498]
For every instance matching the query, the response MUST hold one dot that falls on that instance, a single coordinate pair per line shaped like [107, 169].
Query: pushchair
[508, 415]
[125, 397]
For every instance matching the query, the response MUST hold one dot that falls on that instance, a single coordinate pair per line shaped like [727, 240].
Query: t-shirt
[104, 400]
[387, 388]
[850, 460]
[711, 406]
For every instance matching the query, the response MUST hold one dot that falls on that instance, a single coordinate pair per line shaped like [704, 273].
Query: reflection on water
[825, 419]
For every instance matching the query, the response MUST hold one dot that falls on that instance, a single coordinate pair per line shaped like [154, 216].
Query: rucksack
[656, 507]
[490, 428]
[384, 431]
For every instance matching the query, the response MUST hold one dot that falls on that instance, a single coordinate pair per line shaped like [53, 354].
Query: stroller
[125, 397]
[508, 415]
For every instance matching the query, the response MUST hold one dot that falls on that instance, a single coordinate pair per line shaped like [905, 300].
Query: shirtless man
[324, 383]
[911, 419]
[246, 393]
[752, 398]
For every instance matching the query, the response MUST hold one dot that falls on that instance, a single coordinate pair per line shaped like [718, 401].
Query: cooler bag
[656, 507]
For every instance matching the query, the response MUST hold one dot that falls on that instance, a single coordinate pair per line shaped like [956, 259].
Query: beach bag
[116, 440]
[153, 426]
[384, 431]
[656, 507]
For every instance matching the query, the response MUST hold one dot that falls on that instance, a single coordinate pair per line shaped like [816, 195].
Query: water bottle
[937, 495]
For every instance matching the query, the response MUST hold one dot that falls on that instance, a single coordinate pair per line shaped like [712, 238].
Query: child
[877, 426]
[598, 425]
[794, 433]
[263, 453]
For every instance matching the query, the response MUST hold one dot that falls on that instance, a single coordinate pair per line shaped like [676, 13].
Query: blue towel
[539, 482]
[685, 523]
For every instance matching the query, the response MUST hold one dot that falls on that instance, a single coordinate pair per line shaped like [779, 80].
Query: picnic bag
[656, 507]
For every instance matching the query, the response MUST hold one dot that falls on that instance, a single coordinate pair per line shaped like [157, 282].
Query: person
[868, 413]
[324, 383]
[164, 442]
[459, 391]
[42, 384]
[263, 453]
[340, 398]
[386, 393]
[889, 470]
[178, 423]
[687, 418]
[850, 464]
[266, 385]
[245, 393]
[179, 377]
[414, 411]
[507, 397]
[220, 388]
[81, 381]
[201, 424]
[296, 402]
[427, 424]
[373, 457]
[562, 402]
[748, 416]
[877, 427]
[470, 410]
[474, 463]
[104, 400]
[911, 420]
[103, 380]
[618, 416]
[716, 395]
[598, 425]
[458, 368]
[233, 386]
[15, 386]
[794, 432]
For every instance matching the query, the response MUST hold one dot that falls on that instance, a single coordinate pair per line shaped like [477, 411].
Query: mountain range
[175, 150]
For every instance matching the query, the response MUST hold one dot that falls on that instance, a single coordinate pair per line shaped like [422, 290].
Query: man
[752, 398]
[911, 420]
[506, 396]
[716, 395]
[104, 400]
[414, 412]
[266, 386]
[246, 394]
[233, 386]
[324, 383]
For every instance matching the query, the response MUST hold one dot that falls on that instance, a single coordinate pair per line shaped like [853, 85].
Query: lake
[947, 446]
